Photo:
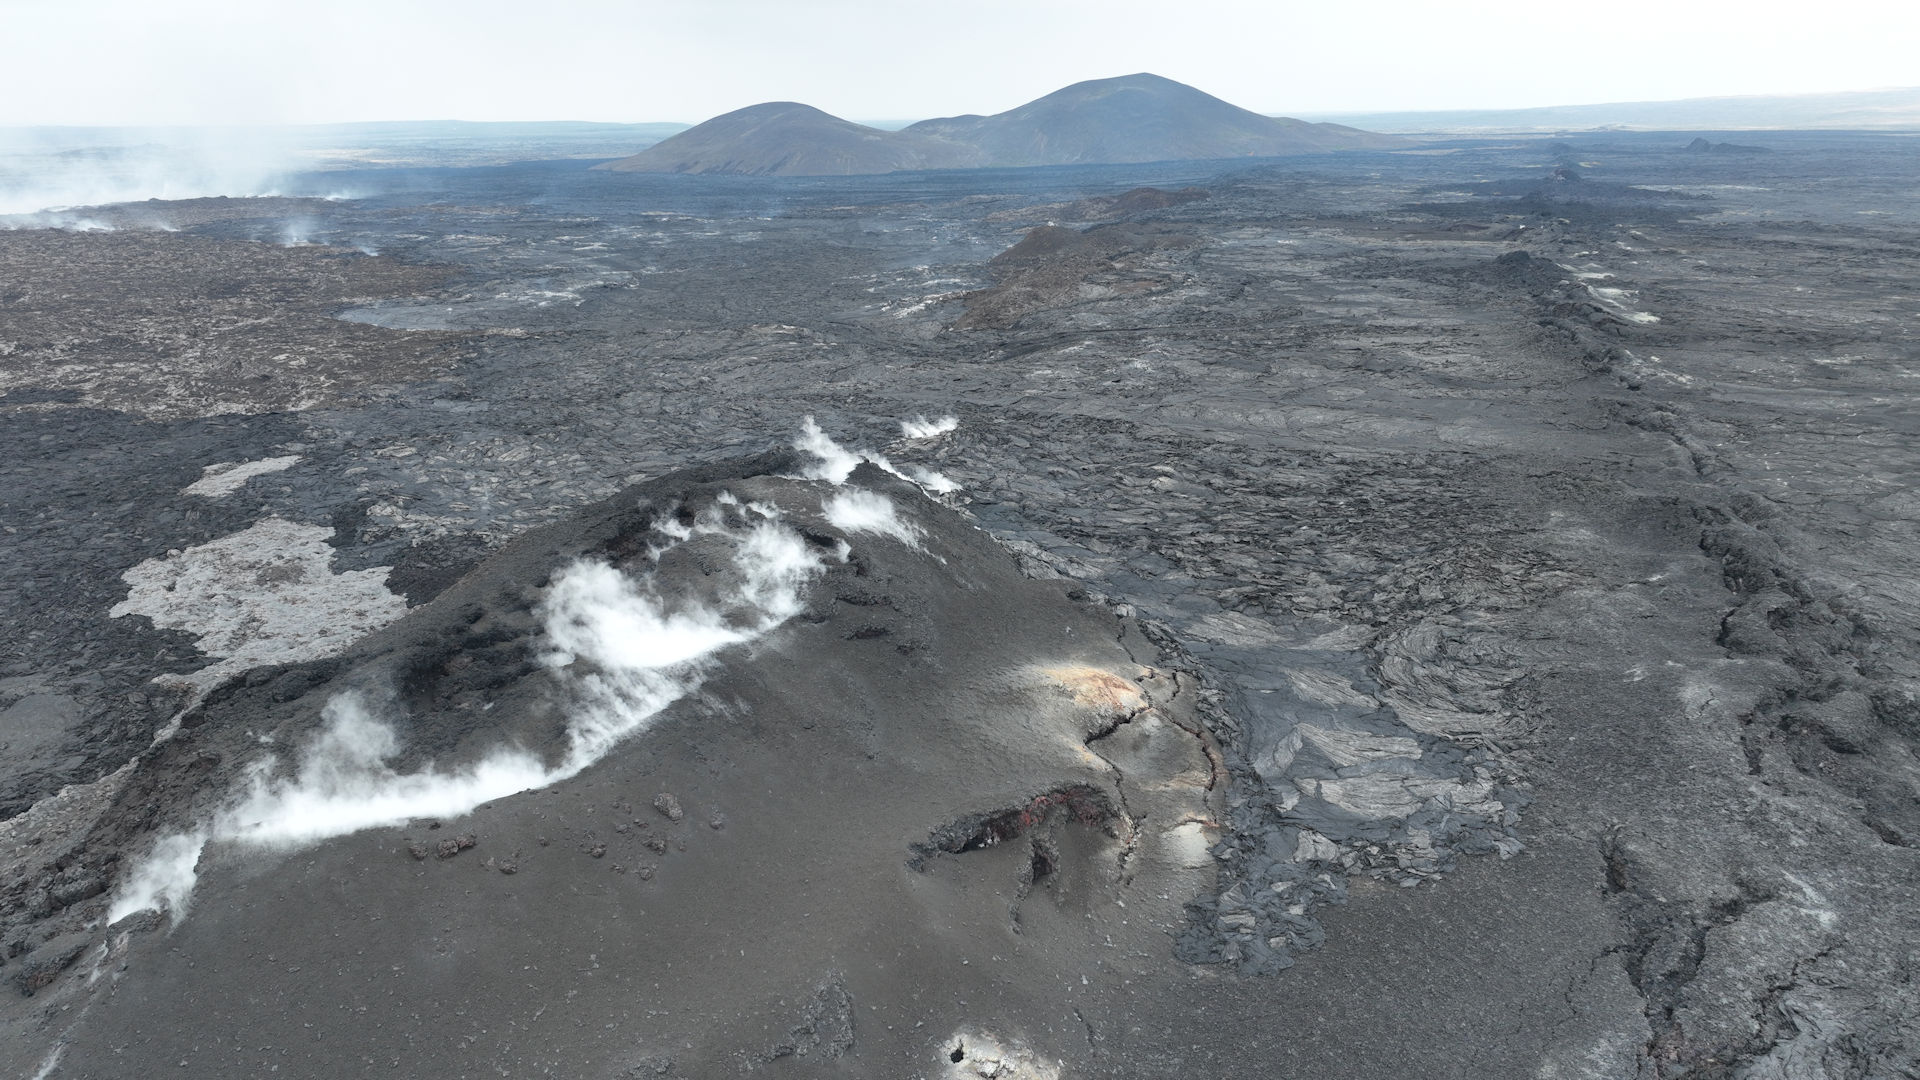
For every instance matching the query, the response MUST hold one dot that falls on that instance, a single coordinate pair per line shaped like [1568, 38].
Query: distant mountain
[786, 138]
[1104, 121]
[1704, 146]
[1136, 118]
[1847, 110]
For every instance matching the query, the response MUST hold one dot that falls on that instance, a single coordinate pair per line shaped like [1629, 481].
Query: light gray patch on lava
[267, 595]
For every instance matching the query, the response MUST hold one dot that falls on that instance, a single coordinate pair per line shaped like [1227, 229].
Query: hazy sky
[201, 61]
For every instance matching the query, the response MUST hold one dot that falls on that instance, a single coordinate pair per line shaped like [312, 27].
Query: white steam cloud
[298, 232]
[834, 463]
[60, 168]
[624, 651]
[344, 785]
[856, 510]
[59, 220]
[164, 879]
[935, 482]
[922, 428]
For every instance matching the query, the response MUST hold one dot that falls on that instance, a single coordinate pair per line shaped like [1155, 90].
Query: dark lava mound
[732, 768]
[1053, 265]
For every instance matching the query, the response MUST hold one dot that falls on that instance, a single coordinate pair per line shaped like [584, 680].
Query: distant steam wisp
[55, 169]
[922, 428]
[835, 463]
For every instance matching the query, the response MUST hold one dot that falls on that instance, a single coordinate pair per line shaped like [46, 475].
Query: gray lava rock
[38, 969]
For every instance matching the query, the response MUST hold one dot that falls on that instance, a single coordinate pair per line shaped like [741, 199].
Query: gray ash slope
[1582, 497]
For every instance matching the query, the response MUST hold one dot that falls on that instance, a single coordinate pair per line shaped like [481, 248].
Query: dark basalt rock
[38, 969]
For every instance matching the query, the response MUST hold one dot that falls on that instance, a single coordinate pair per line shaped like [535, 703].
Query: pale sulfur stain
[1099, 689]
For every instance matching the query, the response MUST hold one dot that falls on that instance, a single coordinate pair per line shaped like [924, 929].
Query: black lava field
[1448, 612]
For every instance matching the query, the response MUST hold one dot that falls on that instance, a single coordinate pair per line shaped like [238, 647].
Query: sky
[153, 62]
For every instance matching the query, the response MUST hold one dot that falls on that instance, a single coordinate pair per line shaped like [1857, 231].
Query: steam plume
[623, 651]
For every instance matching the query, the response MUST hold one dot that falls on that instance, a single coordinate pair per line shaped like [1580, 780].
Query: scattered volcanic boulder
[1132, 118]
